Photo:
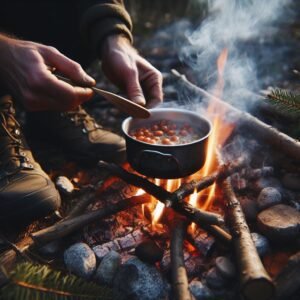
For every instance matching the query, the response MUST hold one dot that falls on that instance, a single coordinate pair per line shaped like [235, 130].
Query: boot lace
[14, 146]
[81, 118]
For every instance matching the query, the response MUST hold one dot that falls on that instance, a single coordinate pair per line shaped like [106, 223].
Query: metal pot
[167, 161]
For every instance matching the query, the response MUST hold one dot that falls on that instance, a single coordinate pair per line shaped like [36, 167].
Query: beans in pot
[165, 132]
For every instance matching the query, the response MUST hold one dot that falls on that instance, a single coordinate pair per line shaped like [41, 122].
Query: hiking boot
[79, 135]
[26, 191]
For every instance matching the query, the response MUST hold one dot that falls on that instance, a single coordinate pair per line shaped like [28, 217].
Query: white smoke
[237, 25]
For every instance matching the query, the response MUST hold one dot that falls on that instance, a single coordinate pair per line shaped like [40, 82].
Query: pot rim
[180, 110]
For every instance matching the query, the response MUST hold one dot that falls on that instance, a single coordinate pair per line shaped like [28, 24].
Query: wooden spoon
[125, 105]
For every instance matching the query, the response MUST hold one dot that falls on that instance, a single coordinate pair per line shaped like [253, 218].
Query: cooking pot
[167, 161]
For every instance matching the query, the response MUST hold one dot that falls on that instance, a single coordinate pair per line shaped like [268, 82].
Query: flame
[220, 132]
[193, 200]
[170, 186]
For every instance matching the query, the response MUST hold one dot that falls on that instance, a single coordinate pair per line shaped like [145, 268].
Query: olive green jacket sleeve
[100, 19]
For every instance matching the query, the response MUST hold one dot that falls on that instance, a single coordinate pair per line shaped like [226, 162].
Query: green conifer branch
[29, 281]
[285, 100]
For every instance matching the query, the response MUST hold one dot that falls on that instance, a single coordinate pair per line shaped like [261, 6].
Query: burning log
[65, 227]
[266, 132]
[175, 199]
[255, 282]
[187, 189]
[180, 283]
[288, 281]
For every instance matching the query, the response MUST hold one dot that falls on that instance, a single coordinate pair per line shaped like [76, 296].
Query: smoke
[246, 28]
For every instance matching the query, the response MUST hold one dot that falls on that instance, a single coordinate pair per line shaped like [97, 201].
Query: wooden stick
[255, 282]
[84, 200]
[63, 228]
[180, 285]
[224, 171]
[194, 215]
[267, 133]
[288, 280]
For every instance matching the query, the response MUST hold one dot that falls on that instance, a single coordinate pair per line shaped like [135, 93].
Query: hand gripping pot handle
[156, 160]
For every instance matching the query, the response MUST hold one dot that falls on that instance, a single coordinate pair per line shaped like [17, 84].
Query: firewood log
[255, 282]
[180, 285]
[267, 133]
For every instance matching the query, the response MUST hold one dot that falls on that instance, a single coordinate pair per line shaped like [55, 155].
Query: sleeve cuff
[102, 20]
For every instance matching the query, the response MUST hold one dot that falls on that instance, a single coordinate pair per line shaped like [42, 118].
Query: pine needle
[285, 100]
[29, 282]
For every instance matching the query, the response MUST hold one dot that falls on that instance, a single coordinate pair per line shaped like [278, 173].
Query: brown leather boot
[26, 191]
[79, 135]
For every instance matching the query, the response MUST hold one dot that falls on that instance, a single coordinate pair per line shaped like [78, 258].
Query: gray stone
[200, 291]
[137, 280]
[148, 251]
[291, 181]
[268, 197]
[80, 260]
[261, 243]
[225, 267]
[264, 182]
[108, 268]
[214, 279]
[249, 208]
[64, 185]
[279, 223]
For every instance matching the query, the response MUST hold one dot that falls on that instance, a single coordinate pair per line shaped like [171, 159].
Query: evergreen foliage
[285, 100]
[37, 282]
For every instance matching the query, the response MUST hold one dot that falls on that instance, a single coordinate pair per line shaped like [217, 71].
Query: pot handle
[146, 158]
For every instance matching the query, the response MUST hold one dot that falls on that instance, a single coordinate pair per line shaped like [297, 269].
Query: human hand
[24, 69]
[129, 71]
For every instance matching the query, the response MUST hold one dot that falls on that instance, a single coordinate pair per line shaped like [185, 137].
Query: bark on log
[255, 282]
[267, 133]
[63, 228]
[180, 285]
[288, 280]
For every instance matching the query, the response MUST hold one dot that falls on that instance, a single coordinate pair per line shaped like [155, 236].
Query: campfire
[230, 230]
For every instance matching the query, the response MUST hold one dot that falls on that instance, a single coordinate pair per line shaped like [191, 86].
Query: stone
[268, 197]
[64, 185]
[264, 182]
[138, 280]
[214, 279]
[148, 251]
[80, 260]
[225, 267]
[249, 208]
[261, 243]
[200, 291]
[291, 181]
[279, 223]
[108, 268]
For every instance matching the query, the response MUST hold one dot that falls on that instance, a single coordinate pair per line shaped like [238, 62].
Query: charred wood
[63, 228]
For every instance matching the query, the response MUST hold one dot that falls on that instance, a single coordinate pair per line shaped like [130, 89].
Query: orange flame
[170, 186]
[220, 132]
